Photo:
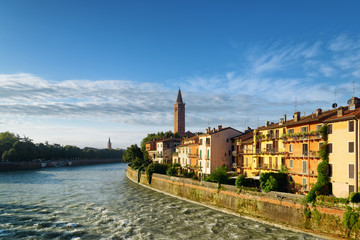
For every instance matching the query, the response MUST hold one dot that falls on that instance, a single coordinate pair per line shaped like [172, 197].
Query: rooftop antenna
[353, 88]
[334, 104]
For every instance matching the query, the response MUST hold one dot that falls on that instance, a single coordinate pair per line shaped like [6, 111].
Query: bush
[219, 175]
[189, 174]
[273, 181]
[171, 171]
[354, 197]
[331, 199]
[350, 220]
[271, 184]
[155, 168]
[240, 181]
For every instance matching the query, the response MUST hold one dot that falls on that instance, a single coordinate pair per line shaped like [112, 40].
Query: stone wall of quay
[284, 209]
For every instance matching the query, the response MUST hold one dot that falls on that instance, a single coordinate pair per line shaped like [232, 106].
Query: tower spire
[179, 98]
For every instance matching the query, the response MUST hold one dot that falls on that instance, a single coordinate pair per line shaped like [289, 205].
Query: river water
[99, 202]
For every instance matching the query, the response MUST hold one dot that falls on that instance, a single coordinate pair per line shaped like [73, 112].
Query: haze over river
[99, 202]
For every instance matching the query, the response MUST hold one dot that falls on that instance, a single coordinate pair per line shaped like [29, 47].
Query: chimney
[220, 127]
[284, 118]
[271, 123]
[266, 123]
[354, 102]
[281, 121]
[214, 129]
[340, 111]
[248, 128]
[318, 112]
[296, 116]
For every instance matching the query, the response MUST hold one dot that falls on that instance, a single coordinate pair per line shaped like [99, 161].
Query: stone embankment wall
[281, 208]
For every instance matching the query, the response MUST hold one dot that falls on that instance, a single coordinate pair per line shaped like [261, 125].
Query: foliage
[187, 174]
[273, 182]
[219, 175]
[324, 132]
[350, 220]
[354, 197]
[331, 199]
[16, 149]
[160, 135]
[322, 186]
[283, 169]
[171, 171]
[243, 182]
[155, 168]
[131, 153]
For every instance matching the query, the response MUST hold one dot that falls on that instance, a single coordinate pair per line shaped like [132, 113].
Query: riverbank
[15, 166]
[286, 210]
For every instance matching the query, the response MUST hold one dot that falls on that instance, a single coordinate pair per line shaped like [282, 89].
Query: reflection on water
[99, 202]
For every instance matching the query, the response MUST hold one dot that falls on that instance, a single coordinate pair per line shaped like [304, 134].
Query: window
[291, 163]
[270, 162]
[304, 183]
[208, 154]
[200, 142]
[304, 166]
[290, 148]
[351, 188]
[246, 161]
[290, 131]
[351, 171]
[305, 149]
[200, 153]
[351, 126]
[351, 147]
[200, 163]
[304, 129]
[207, 164]
[276, 163]
[330, 147]
[320, 144]
[207, 141]
[330, 170]
[329, 129]
[318, 127]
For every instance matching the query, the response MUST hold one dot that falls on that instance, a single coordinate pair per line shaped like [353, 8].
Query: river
[99, 202]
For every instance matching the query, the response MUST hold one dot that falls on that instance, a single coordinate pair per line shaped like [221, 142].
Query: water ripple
[99, 202]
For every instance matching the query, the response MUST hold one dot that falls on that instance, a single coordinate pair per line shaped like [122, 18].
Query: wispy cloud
[263, 90]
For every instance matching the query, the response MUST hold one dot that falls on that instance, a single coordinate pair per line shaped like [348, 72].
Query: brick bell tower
[179, 115]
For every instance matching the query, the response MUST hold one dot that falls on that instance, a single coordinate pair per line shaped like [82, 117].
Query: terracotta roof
[245, 136]
[348, 114]
[304, 119]
[217, 131]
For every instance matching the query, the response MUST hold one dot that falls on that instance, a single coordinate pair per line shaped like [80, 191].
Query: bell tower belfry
[179, 115]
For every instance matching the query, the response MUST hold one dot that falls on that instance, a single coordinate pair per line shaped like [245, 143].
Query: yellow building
[269, 152]
[343, 146]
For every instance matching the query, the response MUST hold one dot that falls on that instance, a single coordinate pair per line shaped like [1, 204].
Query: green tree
[219, 175]
[7, 141]
[131, 153]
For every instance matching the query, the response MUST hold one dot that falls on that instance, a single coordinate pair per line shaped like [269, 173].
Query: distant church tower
[179, 115]
[109, 144]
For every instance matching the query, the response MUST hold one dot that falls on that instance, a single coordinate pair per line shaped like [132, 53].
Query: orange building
[243, 152]
[302, 143]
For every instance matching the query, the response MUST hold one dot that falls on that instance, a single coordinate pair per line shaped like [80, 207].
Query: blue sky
[78, 72]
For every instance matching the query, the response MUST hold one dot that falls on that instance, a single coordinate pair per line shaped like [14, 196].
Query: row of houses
[292, 144]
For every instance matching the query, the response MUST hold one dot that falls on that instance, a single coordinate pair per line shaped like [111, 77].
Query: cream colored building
[343, 145]
[215, 148]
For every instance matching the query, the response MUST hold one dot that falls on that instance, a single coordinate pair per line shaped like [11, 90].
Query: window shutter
[351, 126]
[351, 171]
[351, 147]
[329, 129]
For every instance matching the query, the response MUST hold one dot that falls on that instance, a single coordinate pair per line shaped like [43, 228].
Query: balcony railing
[193, 155]
[304, 154]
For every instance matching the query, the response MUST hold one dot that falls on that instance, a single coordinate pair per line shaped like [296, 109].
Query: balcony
[193, 155]
[302, 154]
[302, 136]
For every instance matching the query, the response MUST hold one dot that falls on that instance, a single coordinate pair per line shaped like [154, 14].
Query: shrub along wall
[281, 208]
